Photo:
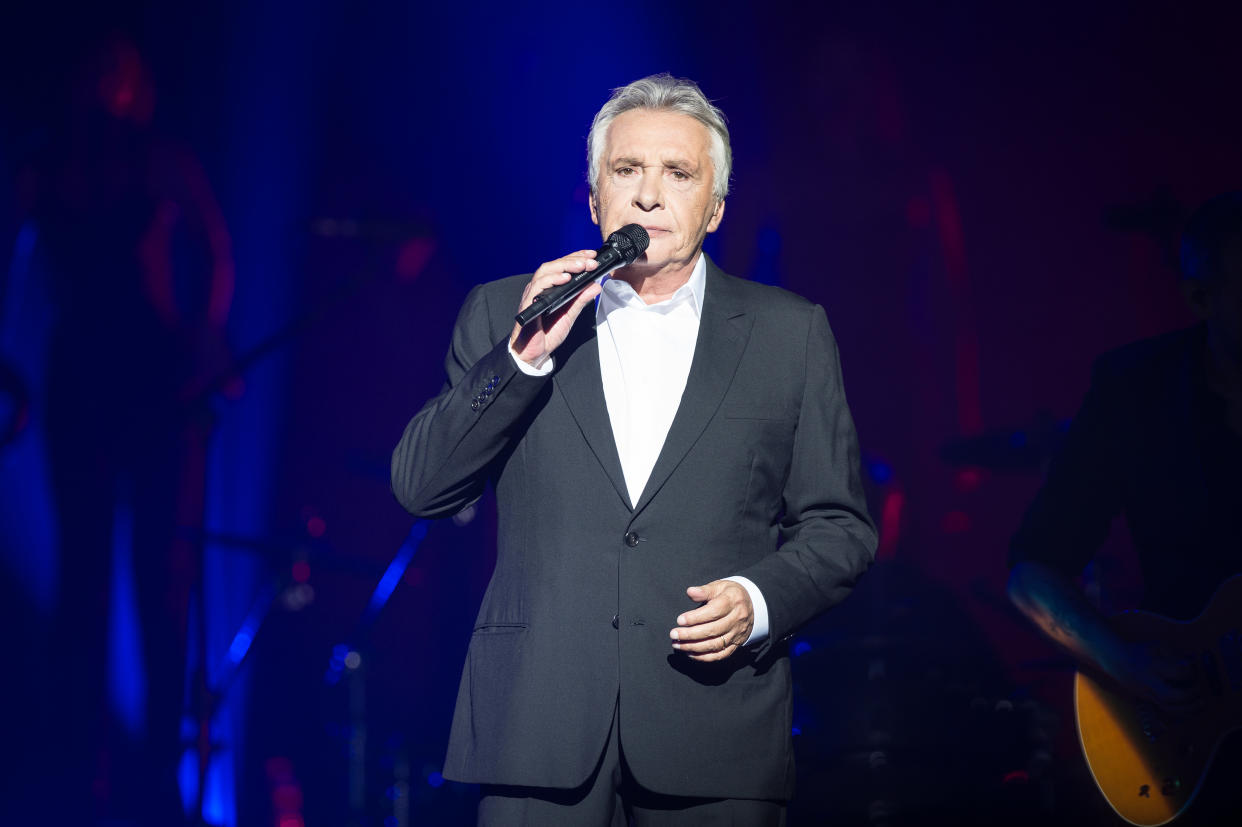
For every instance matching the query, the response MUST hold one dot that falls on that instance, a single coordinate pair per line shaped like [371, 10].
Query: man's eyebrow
[683, 164]
[680, 163]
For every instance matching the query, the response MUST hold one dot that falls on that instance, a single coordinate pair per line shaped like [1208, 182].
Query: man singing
[676, 472]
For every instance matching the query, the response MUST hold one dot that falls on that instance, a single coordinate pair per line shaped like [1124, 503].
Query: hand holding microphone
[544, 320]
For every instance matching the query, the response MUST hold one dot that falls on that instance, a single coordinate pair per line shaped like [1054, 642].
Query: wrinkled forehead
[658, 136]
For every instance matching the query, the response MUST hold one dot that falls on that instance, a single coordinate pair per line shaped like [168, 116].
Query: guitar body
[1148, 765]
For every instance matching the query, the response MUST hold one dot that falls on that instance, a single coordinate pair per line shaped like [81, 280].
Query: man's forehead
[665, 158]
[646, 135]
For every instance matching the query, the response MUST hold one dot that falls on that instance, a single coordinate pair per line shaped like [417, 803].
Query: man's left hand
[715, 630]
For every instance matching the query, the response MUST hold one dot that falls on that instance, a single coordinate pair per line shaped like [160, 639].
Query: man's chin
[658, 253]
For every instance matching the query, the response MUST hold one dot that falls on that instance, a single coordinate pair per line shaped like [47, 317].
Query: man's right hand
[534, 343]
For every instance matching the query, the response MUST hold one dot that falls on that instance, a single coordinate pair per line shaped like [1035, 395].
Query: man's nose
[649, 195]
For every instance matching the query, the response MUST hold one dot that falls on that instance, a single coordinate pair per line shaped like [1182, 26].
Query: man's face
[656, 171]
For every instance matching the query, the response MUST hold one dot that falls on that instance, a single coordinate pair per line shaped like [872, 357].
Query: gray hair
[670, 94]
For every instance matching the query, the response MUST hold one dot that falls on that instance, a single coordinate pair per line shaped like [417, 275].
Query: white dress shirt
[645, 351]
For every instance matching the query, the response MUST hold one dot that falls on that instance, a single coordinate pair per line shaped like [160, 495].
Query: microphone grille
[630, 241]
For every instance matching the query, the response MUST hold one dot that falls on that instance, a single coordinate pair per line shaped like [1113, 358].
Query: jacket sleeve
[447, 451]
[829, 539]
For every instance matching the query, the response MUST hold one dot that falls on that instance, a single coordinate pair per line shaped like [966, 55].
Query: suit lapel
[578, 379]
[724, 328]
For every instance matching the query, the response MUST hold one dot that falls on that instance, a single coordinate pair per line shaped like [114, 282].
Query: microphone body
[619, 250]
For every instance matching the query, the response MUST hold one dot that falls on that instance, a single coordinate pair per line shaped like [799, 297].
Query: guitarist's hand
[1162, 676]
[1147, 669]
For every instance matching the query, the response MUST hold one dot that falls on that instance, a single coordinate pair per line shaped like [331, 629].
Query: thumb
[701, 592]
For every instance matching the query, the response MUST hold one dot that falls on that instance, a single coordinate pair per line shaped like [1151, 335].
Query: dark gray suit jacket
[758, 477]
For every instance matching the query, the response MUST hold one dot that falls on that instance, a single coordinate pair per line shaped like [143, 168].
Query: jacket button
[631, 539]
[474, 404]
[615, 622]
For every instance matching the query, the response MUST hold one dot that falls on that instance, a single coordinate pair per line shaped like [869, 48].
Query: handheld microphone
[620, 250]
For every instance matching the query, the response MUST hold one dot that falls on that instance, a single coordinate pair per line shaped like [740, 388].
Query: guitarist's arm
[1060, 610]
[1066, 524]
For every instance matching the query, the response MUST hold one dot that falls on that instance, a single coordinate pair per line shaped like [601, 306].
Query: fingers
[721, 597]
[572, 309]
[716, 629]
[722, 643]
[558, 271]
[529, 342]
[1179, 691]
[1178, 702]
[707, 592]
[1173, 669]
[688, 637]
[1167, 678]
[714, 656]
[553, 273]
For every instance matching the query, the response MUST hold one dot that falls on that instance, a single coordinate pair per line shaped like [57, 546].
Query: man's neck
[658, 285]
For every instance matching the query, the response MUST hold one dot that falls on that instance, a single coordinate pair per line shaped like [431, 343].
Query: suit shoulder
[767, 297]
[497, 299]
[506, 290]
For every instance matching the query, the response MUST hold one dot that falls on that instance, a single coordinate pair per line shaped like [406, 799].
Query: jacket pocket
[500, 628]
[496, 661]
[759, 412]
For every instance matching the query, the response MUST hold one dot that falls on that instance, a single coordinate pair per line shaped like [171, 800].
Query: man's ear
[1195, 292]
[592, 200]
[717, 216]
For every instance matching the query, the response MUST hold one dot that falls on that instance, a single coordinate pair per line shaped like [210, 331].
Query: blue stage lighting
[396, 569]
[880, 471]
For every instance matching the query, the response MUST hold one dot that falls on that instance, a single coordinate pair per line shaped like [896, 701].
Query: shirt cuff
[542, 368]
[759, 631]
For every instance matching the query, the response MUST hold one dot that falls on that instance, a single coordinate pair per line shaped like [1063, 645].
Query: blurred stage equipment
[14, 404]
[195, 400]
[14, 393]
[377, 230]
[934, 733]
[378, 234]
[348, 661]
[1022, 448]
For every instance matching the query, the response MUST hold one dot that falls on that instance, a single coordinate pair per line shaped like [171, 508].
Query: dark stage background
[982, 196]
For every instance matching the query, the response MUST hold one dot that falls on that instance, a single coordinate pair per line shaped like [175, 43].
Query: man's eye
[625, 171]
[678, 175]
